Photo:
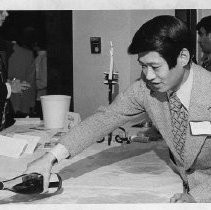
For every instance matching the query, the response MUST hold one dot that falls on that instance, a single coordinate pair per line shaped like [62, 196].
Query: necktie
[179, 122]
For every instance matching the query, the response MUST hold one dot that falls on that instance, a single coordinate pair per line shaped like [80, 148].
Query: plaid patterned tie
[179, 122]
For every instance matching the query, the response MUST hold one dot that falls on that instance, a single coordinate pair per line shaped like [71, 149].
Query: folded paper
[12, 147]
[32, 142]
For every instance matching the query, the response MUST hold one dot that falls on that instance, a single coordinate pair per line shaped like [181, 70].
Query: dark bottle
[31, 184]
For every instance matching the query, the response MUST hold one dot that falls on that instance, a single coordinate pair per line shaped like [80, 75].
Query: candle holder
[111, 79]
[111, 83]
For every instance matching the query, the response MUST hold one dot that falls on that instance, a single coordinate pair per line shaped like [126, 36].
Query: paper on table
[12, 147]
[31, 141]
[201, 128]
[27, 120]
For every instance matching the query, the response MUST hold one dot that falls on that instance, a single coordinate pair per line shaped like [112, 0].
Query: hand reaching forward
[19, 87]
[182, 198]
[43, 166]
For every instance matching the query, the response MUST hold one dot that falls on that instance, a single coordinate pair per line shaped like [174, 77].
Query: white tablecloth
[102, 174]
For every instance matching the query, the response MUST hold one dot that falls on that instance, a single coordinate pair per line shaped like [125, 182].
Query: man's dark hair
[164, 34]
[205, 23]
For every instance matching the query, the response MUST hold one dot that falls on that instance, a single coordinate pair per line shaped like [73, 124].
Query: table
[119, 173]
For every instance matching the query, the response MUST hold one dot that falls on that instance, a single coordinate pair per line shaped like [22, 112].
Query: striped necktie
[179, 122]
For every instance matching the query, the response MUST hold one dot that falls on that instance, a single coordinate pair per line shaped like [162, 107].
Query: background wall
[117, 26]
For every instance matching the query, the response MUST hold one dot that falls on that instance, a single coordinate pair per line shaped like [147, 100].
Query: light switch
[95, 43]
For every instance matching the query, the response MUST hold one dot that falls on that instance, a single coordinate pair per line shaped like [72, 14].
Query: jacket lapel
[198, 111]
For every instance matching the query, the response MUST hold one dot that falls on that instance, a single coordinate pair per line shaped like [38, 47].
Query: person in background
[172, 90]
[7, 86]
[41, 75]
[22, 67]
[204, 31]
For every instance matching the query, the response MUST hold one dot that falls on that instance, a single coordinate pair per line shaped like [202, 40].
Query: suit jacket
[6, 110]
[3, 89]
[138, 99]
[206, 62]
[21, 66]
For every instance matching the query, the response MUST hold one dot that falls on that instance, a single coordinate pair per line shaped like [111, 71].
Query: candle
[111, 62]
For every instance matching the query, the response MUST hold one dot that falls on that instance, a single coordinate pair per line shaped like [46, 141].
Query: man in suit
[204, 31]
[172, 90]
[7, 86]
[4, 87]
[21, 66]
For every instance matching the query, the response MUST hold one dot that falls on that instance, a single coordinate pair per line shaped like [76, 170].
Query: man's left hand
[182, 198]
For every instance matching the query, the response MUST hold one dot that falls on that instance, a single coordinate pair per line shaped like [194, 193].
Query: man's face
[204, 40]
[3, 15]
[158, 75]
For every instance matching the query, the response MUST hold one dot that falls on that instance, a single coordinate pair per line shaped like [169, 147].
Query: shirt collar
[184, 92]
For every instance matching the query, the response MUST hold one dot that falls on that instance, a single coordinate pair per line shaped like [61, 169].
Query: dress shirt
[60, 152]
[184, 92]
[9, 90]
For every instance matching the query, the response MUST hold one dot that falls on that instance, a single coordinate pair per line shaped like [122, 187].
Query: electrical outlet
[95, 43]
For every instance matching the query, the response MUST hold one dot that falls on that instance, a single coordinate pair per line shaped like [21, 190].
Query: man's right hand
[43, 166]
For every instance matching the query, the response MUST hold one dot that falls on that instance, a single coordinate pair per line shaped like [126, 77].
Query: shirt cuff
[60, 152]
[9, 90]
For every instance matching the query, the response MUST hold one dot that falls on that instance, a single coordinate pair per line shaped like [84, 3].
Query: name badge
[200, 128]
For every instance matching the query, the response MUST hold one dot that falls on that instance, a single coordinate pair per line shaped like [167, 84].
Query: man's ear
[184, 57]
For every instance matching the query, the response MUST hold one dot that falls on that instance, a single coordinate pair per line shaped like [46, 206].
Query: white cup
[55, 109]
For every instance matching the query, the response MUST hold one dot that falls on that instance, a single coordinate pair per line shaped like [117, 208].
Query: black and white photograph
[105, 106]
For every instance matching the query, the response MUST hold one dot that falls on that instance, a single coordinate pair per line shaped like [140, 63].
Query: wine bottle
[31, 184]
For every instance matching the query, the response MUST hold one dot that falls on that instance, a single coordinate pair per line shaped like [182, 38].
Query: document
[200, 128]
[12, 147]
[32, 142]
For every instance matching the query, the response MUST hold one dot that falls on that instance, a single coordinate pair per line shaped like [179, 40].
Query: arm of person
[41, 80]
[182, 198]
[127, 106]
[30, 77]
[9, 89]
[200, 188]
[5, 91]
[201, 192]
[16, 86]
